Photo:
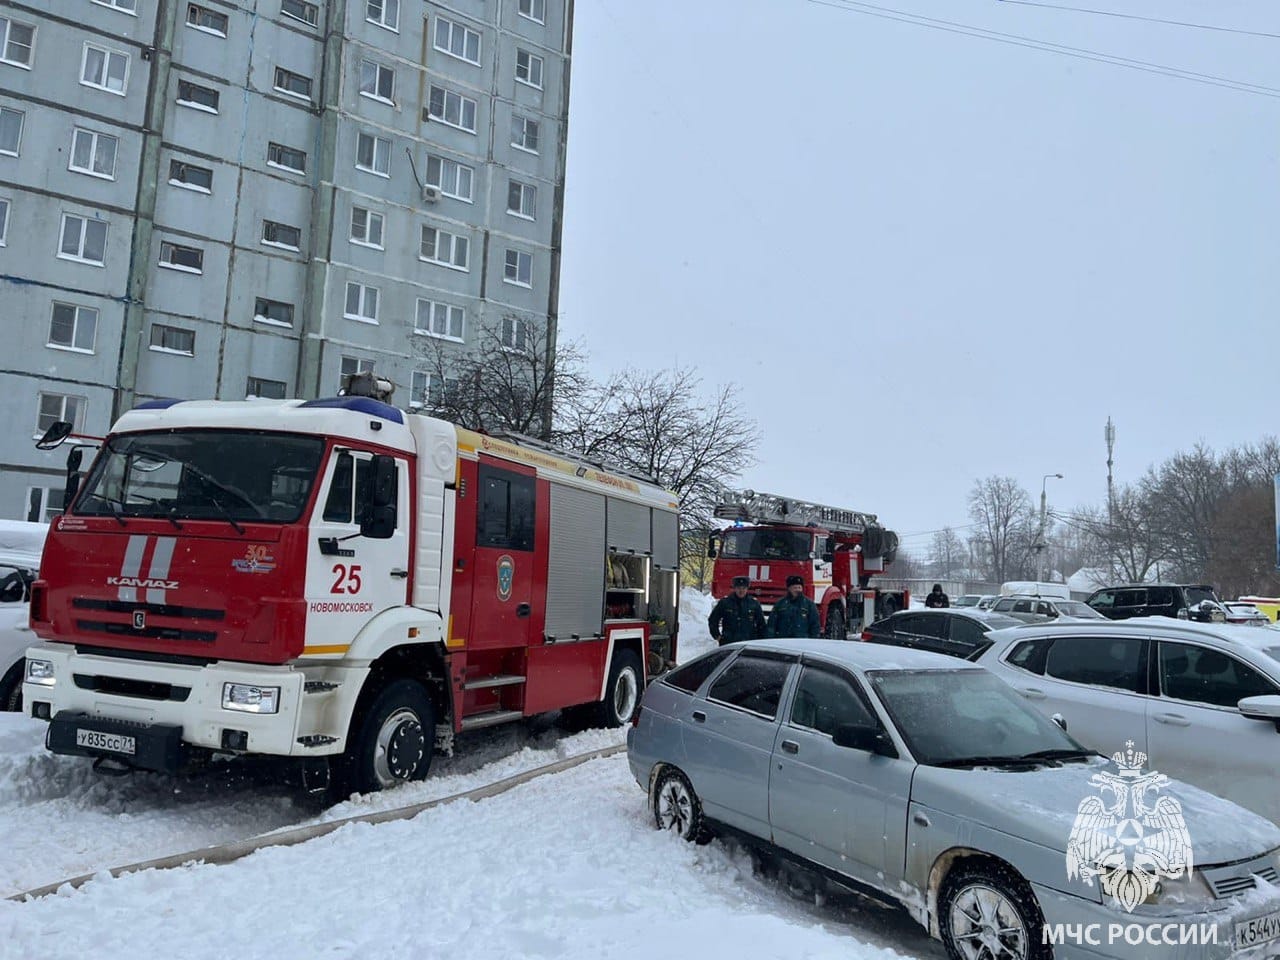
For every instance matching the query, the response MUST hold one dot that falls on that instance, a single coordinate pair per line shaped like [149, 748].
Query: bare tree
[1001, 509]
[1183, 496]
[948, 553]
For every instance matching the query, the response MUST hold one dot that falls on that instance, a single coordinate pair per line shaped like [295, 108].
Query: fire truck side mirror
[55, 435]
[712, 546]
[379, 515]
[828, 557]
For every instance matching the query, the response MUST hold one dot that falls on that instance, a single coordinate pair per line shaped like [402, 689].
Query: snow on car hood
[1040, 804]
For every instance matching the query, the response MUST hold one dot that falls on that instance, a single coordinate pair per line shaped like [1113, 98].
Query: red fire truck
[341, 585]
[836, 551]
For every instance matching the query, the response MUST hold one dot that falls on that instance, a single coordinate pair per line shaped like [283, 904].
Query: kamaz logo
[139, 582]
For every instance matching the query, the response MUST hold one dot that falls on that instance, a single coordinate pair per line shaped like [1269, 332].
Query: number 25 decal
[348, 578]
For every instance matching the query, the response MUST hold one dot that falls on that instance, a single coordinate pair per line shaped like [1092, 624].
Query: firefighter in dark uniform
[737, 616]
[795, 615]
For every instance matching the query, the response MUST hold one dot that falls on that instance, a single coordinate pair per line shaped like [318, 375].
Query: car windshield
[968, 600]
[755, 544]
[948, 717]
[1199, 594]
[998, 621]
[203, 475]
[1074, 608]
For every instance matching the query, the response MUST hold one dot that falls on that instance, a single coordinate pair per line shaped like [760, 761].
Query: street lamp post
[1044, 515]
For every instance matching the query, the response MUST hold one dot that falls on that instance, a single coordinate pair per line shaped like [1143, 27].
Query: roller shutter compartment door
[575, 570]
[666, 537]
[628, 527]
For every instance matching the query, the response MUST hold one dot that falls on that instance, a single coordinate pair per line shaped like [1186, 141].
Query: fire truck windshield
[229, 475]
[766, 544]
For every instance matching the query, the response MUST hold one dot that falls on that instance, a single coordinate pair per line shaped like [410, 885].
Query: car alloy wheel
[676, 807]
[986, 925]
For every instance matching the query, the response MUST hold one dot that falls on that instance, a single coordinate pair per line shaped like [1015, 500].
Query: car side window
[1131, 598]
[965, 631]
[1200, 675]
[1103, 601]
[1159, 597]
[1045, 609]
[1002, 606]
[825, 700]
[930, 625]
[752, 683]
[1030, 655]
[691, 676]
[1022, 606]
[1116, 662]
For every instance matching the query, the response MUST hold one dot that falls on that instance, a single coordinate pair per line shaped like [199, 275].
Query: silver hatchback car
[927, 782]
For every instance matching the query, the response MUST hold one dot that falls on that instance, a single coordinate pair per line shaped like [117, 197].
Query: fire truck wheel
[395, 740]
[835, 623]
[622, 692]
[676, 807]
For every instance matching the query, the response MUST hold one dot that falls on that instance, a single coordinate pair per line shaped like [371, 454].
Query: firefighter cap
[795, 581]
[742, 581]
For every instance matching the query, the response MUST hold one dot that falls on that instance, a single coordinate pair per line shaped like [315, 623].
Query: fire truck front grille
[768, 595]
[150, 633]
[158, 609]
[140, 689]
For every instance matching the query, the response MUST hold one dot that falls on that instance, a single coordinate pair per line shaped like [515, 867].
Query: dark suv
[959, 632]
[1181, 600]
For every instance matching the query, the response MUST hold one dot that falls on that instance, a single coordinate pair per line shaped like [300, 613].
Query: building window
[447, 249]
[373, 155]
[4, 220]
[362, 303]
[518, 268]
[366, 227]
[453, 179]
[535, 10]
[207, 19]
[268, 389]
[55, 407]
[167, 339]
[105, 69]
[522, 199]
[16, 42]
[281, 235]
[529, 68]
[93, 153]
[377, 81]
[273, 312]
[353, 366]
[73, 327]
[452, 109]
[44, 503]
[83, 239]
[193, 95]
[127, 6]
[286, 158]
[385, 13]
[308, 13]
[293, 84]
[457, 41]
[190, 177]
[10, 131]
[432, 390]
[177, 257]
[515, 334]
[444, 320]
[524, 133]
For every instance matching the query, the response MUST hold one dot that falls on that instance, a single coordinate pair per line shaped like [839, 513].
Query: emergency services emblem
[1130, 834]
[257, 559]
[506, 576]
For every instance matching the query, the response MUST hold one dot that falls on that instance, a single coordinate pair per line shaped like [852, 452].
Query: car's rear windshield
[998, 621]
[1197, 594]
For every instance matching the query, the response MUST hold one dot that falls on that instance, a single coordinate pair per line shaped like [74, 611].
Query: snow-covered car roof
[21, 543]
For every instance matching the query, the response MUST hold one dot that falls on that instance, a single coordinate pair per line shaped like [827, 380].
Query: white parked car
[1202, 700]
[20, 546]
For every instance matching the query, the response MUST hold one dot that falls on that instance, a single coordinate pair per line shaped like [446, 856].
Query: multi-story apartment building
[222, 198]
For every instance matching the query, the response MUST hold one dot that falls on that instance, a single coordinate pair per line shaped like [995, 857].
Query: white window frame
[185, 185]
[519, 324]
[46, 509]
[434, 308]
[171, 351]
[454, 240]
[361, 316]
[120, 5]
[528, 198]
[369, 217]
[529, 71]
[524, 131]
[292, 94]
[107, 54]
[379, 70]
[507, 264]
[269, 225]
[22, 125]
[84, 232]
[306, 4]
[392, 22]
[360, 137]
[195, 105]
[444, 106]
[181, 268]
[534, 6]
[205, 8]
[453, 28]
[250, 380]
[420, 389]
[269, 320]
[451, 186]
[77, 421]
[75, 328]
[7, 204]
[4, 43]
[297, 171]
[95, 136]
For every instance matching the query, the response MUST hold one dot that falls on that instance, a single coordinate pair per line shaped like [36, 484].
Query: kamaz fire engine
[339, 584]
[836, 551]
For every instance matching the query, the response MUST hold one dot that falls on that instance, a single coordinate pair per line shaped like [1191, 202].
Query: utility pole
[1044, 516]
[1111, 498]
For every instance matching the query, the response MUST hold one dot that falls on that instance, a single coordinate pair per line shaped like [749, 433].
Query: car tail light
[867, 635]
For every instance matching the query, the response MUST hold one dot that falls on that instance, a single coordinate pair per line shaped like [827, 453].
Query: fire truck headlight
[41, 672]
[248, 698]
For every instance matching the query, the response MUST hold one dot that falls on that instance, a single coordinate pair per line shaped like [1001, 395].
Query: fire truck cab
[836, 551]
[341, 584]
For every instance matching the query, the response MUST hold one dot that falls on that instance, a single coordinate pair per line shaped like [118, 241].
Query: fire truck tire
[835, 623]
[11, 687]
[394, 742]
[888, 606]
[622, 692]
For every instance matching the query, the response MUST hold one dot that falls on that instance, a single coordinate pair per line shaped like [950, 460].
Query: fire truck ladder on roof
[523, 440]
[752, 507]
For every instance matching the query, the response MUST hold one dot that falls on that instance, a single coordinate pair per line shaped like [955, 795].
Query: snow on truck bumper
[144, 712]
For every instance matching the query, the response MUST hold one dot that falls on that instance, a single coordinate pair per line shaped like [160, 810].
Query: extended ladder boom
[751, 507]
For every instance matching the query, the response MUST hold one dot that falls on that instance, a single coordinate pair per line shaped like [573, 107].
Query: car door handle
[699, 717]
[1031, 693]
[400, 574]
[790, 746]
[1173, 719]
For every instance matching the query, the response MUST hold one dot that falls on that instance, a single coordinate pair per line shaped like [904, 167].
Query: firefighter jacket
[795, 617]
[732, 619]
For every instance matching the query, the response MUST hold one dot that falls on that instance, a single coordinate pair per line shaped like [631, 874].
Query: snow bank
[695, 638]
[20, 540]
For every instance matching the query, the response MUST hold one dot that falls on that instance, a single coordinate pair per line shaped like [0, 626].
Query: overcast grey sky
[928, 257]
